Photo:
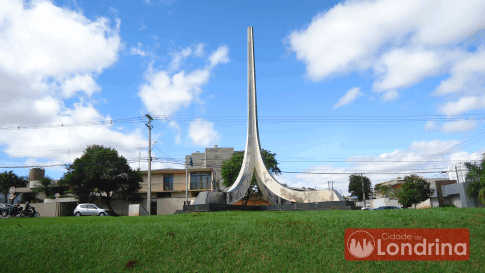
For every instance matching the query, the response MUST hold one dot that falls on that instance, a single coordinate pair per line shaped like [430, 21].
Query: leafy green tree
[414, 190]
[45, 186]
[231, 167]
[355, 186]
[29, 197]
[101, 170]
[10, 179]
[476, 177]
[385, 190]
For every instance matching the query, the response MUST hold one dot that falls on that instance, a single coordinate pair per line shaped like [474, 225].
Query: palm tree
[45, 185]
[10, 179]
[476, 177]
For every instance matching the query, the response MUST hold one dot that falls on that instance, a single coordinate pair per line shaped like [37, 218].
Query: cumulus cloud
[464, 104]
[78, 83]
[164, 93]
[430, 126]
[466, 75]
[50, 51]
[452, 127]
[202, 133]
[459, 126]
[49, 54]
[138, 50]
[402, 68]
[349, 97]
[434, 156]
[402, 42]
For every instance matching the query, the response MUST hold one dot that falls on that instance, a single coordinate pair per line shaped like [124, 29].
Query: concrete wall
[170, 205]
[49, 209]
[456, 193]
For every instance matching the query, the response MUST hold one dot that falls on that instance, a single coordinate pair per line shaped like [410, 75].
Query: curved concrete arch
[253, 159]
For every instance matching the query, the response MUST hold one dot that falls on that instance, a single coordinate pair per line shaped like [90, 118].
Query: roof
[181, 171]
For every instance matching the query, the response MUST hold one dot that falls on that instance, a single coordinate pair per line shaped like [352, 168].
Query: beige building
[168, 186]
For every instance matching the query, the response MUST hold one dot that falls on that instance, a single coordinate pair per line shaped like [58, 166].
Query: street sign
[58, 195]
[11, 197]
[11, 190]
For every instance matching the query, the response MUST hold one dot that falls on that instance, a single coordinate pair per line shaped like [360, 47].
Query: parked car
[366, 208]
[90, 209]
[387, 207]
[7, 209]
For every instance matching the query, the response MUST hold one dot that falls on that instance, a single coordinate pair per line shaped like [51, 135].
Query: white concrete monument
[253, 159]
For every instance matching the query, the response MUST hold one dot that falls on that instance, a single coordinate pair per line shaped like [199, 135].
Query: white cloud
[48, 54]
[48, 51]
[390, 95]
[464, 104]
[84, 83]
[403, 42]
[202, 133]
[459, 126]
[199, 50]
[178, 57]
[349, 97]
[390, 163]
[466, 74]
[430, 126]
[138, 50]
[164, 94]
[403, 68]
[220, 56]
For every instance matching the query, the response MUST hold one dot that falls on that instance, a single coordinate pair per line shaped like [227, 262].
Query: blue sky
[396, 86]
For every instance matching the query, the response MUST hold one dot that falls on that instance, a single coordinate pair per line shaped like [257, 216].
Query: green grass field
[308, 241]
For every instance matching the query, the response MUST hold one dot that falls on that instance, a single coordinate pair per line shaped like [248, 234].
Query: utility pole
[149, 182]
[461, 168]
[457, 177]
[187, 180]
[363, 191]
[331, 187]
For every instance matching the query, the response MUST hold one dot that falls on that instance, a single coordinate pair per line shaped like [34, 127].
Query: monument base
[330, 205]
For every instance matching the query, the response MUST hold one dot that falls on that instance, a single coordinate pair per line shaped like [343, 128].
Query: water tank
[36, 174]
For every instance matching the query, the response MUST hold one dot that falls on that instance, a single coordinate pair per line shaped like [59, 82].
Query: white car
[90, 209]
[366, 208]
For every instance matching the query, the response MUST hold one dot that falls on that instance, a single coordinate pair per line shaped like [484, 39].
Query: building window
[164, 194]
[168, 182]
[200, 181]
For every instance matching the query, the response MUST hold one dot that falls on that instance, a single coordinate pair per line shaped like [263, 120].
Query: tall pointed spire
[253, 159]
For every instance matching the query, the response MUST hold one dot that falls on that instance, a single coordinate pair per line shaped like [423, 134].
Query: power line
[68, 125]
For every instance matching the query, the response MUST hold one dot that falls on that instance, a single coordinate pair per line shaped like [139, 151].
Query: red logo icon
[360, 244]
[395, 244]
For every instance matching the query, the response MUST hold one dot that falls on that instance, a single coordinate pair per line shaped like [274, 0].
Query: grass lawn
[307, 241]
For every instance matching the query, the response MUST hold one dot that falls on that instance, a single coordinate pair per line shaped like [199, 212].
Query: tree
[476, 177]
[355, 186]
[414, 190]
[10, 179]
[45, 186]
[385, 190]
[231, 167]
[101, 170]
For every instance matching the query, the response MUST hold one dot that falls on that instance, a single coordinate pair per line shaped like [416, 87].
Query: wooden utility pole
[457, 177]
[363, 188]
[149, 182]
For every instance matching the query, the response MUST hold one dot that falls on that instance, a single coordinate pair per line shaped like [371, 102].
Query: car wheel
[4, 213]
[78, 214]
[101, 214]
[37, 214]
